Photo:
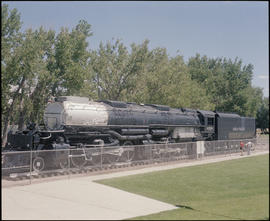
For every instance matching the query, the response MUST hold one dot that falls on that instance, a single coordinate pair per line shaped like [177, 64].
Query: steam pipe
[137, 137]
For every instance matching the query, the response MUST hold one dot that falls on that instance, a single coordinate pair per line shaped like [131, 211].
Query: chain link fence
[33, 164]
[226, 147]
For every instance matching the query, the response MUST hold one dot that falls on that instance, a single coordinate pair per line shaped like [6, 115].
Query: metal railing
[31, 164]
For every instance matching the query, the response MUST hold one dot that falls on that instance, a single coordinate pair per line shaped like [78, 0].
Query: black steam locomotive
[72, 122]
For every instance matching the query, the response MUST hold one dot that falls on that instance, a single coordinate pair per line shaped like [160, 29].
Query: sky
[227, 29]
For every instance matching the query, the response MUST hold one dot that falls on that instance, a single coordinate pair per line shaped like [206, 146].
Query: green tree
[10, 38]
[29, 65]
[227, 83]
[262, 117]
[10, 27]
[166, 81]
[71, 59]
[115, 70]
[254, 99]
[40, 65]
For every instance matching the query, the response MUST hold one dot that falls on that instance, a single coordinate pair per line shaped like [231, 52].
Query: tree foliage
[262, 117]
[10, 37]
[227, 83]
[39, 64]
[115, 70]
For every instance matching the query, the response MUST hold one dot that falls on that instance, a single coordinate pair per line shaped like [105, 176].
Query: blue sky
[215, 29]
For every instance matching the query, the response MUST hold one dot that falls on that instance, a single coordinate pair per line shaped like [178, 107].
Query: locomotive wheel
[178, 153]
[106, 159]
[78, 162]
[156, 153]
[78, 158]
[38, 164]
[128, 153]
[161, 154]
[165, 154]
[110, 158]
[62, 159]
[96, 160]
[174, 154]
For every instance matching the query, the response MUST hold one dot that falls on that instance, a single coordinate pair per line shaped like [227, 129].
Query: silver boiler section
[75, 111]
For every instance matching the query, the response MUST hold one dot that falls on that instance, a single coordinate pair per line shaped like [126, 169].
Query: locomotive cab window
[201, 119]
[210, 121]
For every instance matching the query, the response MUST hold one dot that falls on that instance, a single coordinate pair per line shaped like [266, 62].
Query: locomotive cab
[207, 120]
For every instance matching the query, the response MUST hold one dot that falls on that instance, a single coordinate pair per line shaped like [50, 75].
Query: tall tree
[115, 70]
[166, 81]
[262, 117]
[40, 66]
[10, 39]
[71, 59]
[227, 83]
[29, 65]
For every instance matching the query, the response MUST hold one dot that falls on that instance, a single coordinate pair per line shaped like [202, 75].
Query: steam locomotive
[72, 122]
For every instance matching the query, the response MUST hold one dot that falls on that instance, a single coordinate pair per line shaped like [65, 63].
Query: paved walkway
[81, 198]
[75, 199]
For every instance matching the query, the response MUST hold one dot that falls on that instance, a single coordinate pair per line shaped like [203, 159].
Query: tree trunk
[9, 113]
[21, 122]
[37, 98]
[5, 130]
[98, 87]
[22, 111]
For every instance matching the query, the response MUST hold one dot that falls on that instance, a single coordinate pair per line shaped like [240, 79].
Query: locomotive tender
[80, 122]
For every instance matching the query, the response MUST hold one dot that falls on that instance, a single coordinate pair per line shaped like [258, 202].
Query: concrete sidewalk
[75, 199]
[81, 198]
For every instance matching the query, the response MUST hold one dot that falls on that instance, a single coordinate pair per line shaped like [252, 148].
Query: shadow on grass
[185, 207]
[190, 208]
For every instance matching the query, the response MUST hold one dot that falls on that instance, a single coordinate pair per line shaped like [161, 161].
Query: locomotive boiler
[118, 122]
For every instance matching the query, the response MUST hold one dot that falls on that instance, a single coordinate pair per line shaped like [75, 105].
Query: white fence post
[200, 149]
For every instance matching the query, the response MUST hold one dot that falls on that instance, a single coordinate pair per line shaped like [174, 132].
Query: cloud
[263, 76]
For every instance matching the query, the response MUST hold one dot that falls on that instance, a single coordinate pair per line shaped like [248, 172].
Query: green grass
[235, 189]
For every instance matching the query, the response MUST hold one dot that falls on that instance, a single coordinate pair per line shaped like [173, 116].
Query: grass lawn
[234, 189]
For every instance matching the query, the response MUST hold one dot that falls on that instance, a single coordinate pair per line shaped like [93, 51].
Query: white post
[200, 149]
